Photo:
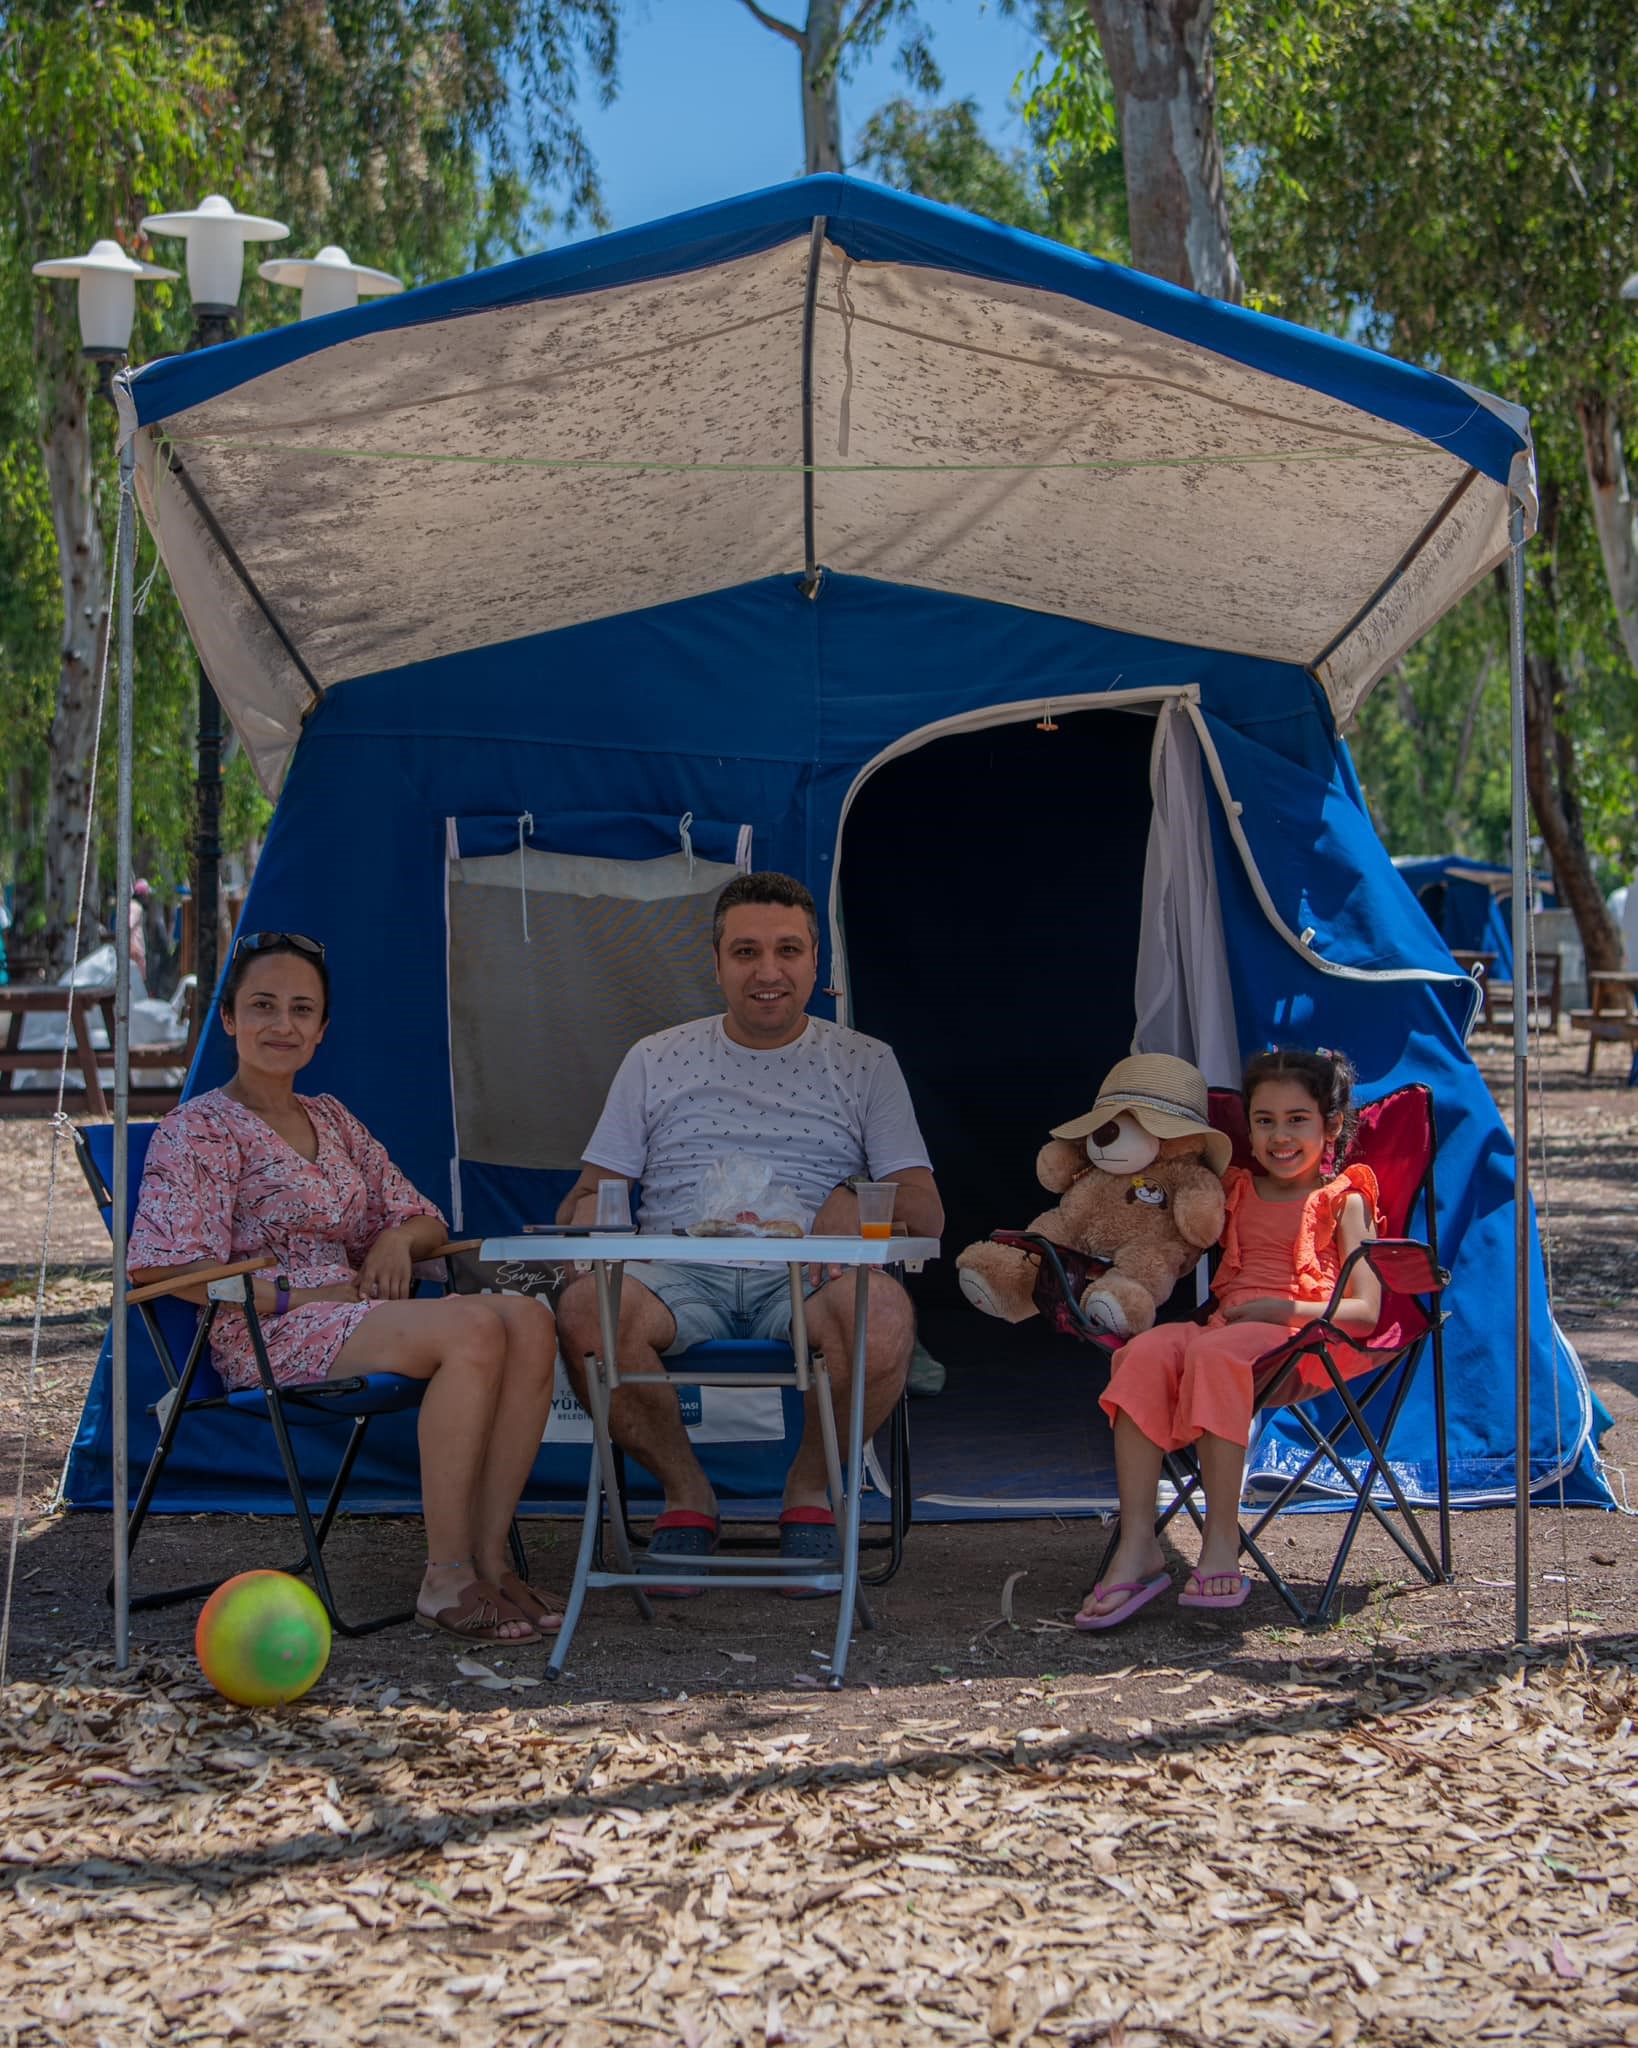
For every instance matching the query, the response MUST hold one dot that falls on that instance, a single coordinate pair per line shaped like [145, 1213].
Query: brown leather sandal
[479, 1616]
[543, 1619]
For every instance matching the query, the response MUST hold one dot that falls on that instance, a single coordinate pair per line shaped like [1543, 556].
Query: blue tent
[1012, 599]
[1466, 902]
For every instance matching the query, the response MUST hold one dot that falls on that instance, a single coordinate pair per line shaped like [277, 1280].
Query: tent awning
[827, 375]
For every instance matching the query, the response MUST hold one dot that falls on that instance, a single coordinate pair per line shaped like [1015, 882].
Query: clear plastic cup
[613, 1205]
[876, 1199]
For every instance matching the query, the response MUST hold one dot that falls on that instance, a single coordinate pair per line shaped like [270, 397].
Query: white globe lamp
[329, 282]
[107, 280]
[216, 234]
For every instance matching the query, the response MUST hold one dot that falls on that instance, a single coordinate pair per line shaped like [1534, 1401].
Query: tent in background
[1466, 902]
[1012, 599]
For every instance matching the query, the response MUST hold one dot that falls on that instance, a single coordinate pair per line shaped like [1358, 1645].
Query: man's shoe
[926, 1372]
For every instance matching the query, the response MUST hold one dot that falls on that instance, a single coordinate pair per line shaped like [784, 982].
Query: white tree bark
[819, 44]
[1159, 54]
[821, 95]
[1614, 514]
[65, 444]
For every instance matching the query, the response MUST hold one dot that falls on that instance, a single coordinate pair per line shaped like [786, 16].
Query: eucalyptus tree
[828, 40]
[428, 136]
[1457, 181]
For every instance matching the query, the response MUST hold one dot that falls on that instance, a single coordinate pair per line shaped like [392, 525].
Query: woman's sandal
[479, 1616]
[543, 1619]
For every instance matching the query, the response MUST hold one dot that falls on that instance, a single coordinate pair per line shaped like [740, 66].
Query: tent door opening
[991, 894]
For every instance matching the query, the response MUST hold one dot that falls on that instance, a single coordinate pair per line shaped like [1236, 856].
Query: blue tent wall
[758, 704]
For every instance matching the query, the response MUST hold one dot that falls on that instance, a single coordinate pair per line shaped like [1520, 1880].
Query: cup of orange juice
[876, 1198]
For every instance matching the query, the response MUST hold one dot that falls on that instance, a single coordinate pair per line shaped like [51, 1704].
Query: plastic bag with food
[739, 1197]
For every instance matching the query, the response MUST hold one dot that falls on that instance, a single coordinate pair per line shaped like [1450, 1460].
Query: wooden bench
[1546, 993]
[77, 1005]
[1613, 1015]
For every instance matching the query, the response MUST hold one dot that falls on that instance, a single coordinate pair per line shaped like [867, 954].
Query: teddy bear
[1140, 1183]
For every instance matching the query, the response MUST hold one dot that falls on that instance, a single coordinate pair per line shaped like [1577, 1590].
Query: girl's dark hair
[245, 957]
[1327, 1076]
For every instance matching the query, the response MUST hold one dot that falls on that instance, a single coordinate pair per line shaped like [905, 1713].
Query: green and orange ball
[263, 1639]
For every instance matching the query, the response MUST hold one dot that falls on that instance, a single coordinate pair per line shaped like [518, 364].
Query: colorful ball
[263, 1638]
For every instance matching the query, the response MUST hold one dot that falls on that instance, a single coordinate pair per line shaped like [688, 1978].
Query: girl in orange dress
[1286, 1233]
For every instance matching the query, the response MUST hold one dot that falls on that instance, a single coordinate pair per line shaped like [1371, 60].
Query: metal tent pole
[122, 1065]
[1521, 1090]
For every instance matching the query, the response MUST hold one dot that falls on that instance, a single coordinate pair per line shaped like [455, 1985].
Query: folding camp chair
[323, 1407]
[1396, 1138]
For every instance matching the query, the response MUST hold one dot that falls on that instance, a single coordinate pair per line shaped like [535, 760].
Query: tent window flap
[561, 955]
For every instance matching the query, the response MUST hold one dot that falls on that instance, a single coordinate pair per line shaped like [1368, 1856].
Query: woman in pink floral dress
[252, 1168]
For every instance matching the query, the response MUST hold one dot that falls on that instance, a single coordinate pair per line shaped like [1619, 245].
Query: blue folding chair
[179, 1329]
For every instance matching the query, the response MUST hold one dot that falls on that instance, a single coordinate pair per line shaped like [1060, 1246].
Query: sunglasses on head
[265, 942]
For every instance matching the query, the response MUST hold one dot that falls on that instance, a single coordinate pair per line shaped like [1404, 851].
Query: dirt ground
[975, 1604]
[1191, 1830]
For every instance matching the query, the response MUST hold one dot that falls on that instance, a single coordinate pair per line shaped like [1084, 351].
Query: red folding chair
[1397, 1139]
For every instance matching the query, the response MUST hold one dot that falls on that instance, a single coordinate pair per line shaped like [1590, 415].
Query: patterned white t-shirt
[830, 1104]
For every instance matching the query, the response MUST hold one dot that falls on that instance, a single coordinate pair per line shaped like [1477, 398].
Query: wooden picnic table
[78, 1005]
[1614, 1011]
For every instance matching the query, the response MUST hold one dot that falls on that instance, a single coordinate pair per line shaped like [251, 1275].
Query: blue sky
[709, 101]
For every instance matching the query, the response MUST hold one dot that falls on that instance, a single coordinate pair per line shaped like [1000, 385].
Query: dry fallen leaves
[1454, 1864]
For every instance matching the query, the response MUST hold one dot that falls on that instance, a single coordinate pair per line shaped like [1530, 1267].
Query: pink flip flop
[1139, 1595]
[1235, 1599]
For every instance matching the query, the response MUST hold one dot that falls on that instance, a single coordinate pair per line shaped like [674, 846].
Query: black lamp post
[216, 235]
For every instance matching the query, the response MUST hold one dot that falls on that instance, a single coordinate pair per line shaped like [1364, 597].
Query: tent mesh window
[558, 964]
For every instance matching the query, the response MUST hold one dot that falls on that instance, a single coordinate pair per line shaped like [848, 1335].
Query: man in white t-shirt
[823, 1106]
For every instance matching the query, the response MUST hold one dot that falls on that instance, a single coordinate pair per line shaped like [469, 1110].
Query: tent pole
[122, 1065]
[1521, 1088]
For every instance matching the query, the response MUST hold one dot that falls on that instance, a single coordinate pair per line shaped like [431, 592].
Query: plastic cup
[613, 1205]
[876, 1199]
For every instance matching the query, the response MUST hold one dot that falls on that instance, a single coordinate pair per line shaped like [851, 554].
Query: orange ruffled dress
[1181, 1381]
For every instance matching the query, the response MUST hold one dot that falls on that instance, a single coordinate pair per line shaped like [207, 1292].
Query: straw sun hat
[1167, 1097]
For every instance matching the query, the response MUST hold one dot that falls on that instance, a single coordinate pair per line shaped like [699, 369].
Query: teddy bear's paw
[979, 1292]
[1104, 1312]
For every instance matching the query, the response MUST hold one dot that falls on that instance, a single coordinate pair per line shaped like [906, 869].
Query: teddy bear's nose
[1106, 1134]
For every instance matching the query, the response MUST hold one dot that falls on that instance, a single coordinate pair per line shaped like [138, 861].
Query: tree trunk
[1550, 771]
[1613, 513]
[1159, 54]
[65, 441]
[821, 94]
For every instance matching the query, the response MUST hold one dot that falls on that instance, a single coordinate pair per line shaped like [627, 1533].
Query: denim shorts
[710, 1302]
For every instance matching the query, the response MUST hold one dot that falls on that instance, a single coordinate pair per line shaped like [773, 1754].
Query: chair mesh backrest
[1394, 1138]
[1228, 1114]
[177, 1320]
[99, 1142]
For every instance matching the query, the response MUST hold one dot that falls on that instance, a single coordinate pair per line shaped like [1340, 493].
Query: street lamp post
[216, 234]
[330, 282]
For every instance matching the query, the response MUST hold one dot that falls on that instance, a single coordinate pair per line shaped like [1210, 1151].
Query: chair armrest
[201, 1276]
[448, 1251]
[1404, 1265]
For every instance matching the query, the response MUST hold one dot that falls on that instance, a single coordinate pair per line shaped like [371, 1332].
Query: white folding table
[607, 1254]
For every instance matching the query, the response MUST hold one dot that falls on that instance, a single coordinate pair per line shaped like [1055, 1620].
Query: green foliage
[104, 114]
[1455, 181]
[942, 153]
[427, 137]
[1076, 195]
